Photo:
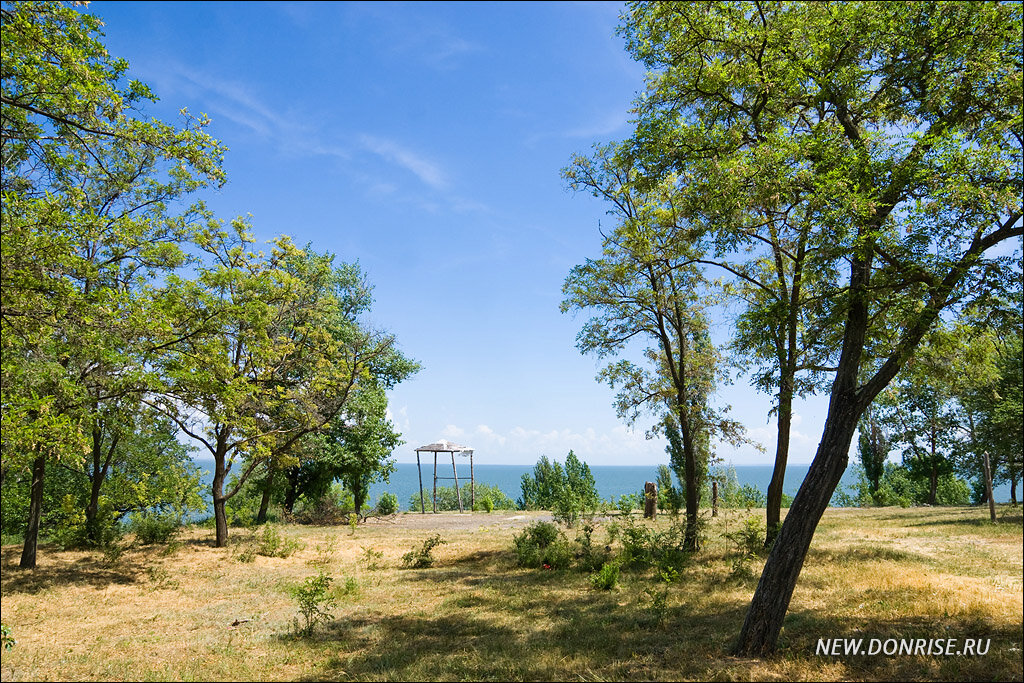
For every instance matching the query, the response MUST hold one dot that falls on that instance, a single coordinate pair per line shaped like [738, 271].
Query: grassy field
[191, 611]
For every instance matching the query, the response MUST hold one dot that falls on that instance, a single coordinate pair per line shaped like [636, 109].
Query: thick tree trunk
[1013, 491]
[261, 516]
[773, 510]
[775, 589]
[691, 540]
[35, 511]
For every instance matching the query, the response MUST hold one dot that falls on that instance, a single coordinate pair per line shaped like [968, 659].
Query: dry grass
[885, 573]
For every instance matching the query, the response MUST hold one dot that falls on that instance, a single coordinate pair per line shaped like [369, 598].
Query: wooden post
[988, 490]
[472, 484]
[455, 471]
[650, 500]
[423, 506]
[714, 498]
[435, 481]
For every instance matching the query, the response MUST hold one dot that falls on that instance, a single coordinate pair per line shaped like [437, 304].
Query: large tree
[648, 287]
[898, 124]
[86, 184]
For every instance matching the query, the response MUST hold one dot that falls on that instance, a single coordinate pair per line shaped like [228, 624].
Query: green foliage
[447, 501]
[542, 545]
[7, 640]
[372, 558]
[628, 502]
[748, 496]
[154, 527]
[568, 491]
[314, 601]
[607, 577]
[588, 557]
[670, 498]
[644, 547]
[269, 543]
[387, 504]
[486, 504]
[421, 558]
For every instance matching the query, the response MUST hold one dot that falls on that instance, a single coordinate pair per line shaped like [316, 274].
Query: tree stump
[650, 500]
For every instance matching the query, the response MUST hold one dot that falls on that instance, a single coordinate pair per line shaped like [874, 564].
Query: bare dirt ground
[459, 521]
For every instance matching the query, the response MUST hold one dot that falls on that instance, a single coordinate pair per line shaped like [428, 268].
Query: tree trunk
[291, 494]
[933, 483]
[35, 510]
[775, 589]
[219, 513]
[691, 542]
[261, 516]
[773, 510]
[1013, 491]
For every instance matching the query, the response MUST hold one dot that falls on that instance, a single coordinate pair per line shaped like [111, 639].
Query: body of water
[611, 480]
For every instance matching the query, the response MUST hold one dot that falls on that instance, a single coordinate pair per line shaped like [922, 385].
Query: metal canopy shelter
[452, 448]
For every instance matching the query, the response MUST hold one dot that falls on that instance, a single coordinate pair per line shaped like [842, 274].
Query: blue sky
[425, 142]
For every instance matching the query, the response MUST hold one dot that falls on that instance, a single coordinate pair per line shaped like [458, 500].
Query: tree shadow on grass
[981, 521]
[56, 570]
[502, 623]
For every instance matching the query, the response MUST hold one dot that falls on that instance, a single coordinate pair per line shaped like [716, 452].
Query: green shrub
[486, 504]
[644, 547]
[154, 527]
[951, 490]
[589, 558]
[387, 504]
[748, 540]
[270, 544]
[607, 577]
[749, 537]
[542, 545]
[315, 602]
[420, 558]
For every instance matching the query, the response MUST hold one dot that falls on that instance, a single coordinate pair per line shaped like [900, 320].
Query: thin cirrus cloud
[427, 171]
[237, 103]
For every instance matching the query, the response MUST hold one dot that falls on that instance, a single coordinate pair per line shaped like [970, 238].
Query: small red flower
[547, 566]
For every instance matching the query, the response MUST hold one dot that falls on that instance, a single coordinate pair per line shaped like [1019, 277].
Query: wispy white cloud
[601, 127]
[243, 105]
[427, 171]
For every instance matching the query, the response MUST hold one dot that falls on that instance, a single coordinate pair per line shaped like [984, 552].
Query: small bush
[387, 505]
[486, 504]
[542, 545]
[420, 558]
[154, 527]
[315, 602]
[645, 548]
[607, 577]
[372, 558]
[749, 542]
[589, 558]
[270, 544]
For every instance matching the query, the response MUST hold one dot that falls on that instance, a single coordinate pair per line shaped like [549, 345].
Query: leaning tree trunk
[775, 589]
[35, 510]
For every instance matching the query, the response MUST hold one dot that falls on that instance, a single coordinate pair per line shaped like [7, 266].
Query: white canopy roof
[445, 446]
